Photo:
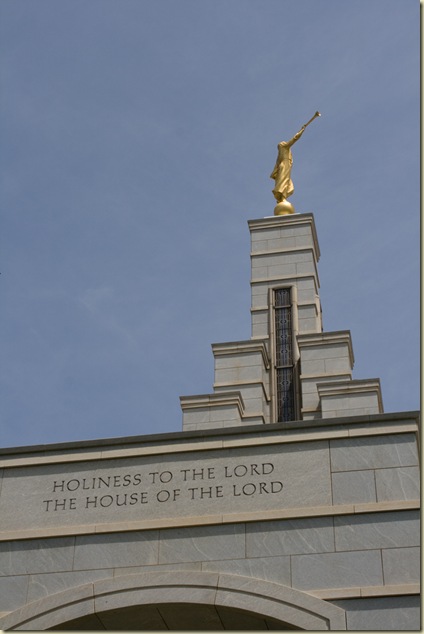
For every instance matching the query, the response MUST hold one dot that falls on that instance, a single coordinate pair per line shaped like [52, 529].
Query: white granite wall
[324, 556]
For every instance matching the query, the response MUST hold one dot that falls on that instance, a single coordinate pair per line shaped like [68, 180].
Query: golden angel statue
[281, 173]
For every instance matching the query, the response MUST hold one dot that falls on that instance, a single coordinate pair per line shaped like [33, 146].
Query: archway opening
[180, 600]
[175, 616]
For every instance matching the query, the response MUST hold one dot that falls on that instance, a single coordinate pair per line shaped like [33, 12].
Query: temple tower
[290, 369]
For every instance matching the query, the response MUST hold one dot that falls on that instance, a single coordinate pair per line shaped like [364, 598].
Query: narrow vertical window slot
[284, 357]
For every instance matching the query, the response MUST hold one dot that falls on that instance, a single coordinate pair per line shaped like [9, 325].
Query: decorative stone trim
[299, 431]
[285, 279]
[220, 399]
[337, 337]
[356, 386]
[296, 220]
[369, 591]
[243, 347]
[210, 520]
[351, 388]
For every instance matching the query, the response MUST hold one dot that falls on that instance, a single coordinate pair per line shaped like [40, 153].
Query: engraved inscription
[131, 489]
[148, 490]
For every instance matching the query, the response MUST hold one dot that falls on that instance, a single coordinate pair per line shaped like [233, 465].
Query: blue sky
[137, 140]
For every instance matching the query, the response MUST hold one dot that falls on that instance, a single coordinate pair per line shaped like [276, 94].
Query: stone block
[307, 293]
[260, 260]
[116, 549]
[43, 585]
[337, 570]
[249, 391]
[360, 403]
[268, 233]
[241, 374]
[259, 295]
[353, 486]
[224, 414]
[283, 270]
[306, 283]
[309, 325]
[252, 419]
[338, 365]
[323, 350]
[402, 483]
[350, 411]
[271, 259]
[260, 316]
[289, 537]
[311, 415]
[311, 372]
[310, 400]
[196, 416]
[13, 592]
[326, 353]
[218, 409]
[382, 614]
[243, 358]
[275, 569]
[373, 452]
[259, 272]
[308, 267]
[282, 243]
[377, 530]
[54, 610]
[259, 330]
[284, 259]
[401, 565]
[194, 426]
[253, 405]
[205, 543]
[260, 245]
[260, 289]
[36, 555]
[353, 398]
[238, 360]
[306, 240]
[309, 384]
[257, 405]
[307, 311]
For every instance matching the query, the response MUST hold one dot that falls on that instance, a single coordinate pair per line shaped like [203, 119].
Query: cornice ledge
[243, 347]
[218, 399]
[270, 222]
[327, 338]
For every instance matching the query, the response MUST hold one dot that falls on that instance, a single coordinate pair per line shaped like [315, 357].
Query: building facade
[290, 500]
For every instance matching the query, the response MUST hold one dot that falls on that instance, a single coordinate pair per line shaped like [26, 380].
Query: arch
[281, 604]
